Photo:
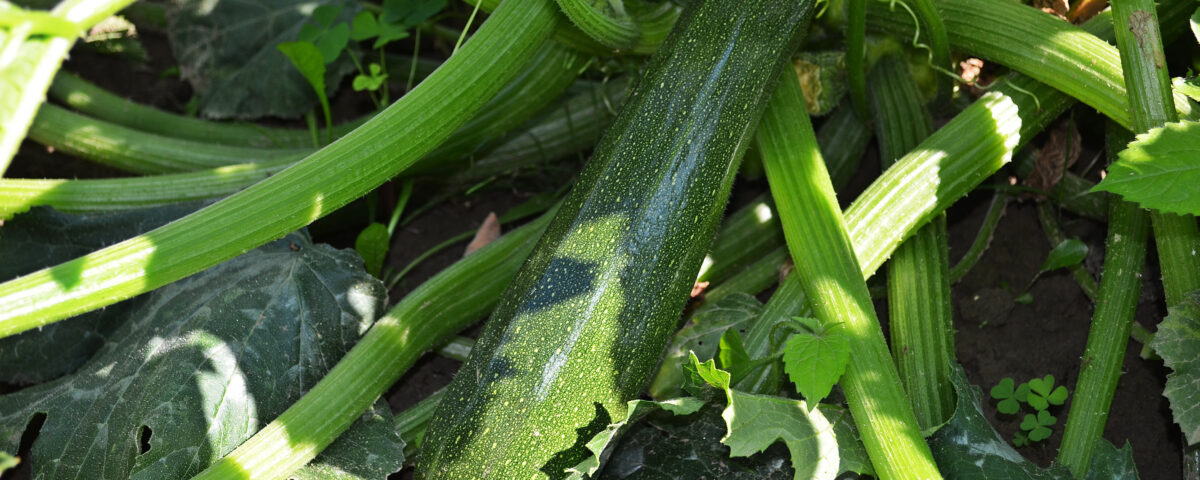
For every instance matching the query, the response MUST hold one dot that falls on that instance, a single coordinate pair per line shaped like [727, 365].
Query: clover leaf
[1042, 393]
[1038, 426]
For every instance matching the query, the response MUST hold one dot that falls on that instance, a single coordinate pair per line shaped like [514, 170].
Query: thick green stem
[426, 318]
[939, 46]
[817, 238]
[37, 59]
[918, 277]
[1054, 52]
[1120, 285]
[856, 54]
[1151, 105]
[616, 31]
[313, 187]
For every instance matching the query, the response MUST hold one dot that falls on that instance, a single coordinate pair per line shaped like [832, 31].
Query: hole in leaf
[32, 429]
[144, 434]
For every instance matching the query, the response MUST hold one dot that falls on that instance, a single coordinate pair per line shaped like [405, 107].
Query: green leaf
[1187, 86]
[372, 244]
[1068, 253]
[200, 366]
[732, 355]
[603, 444]
[1003, 390]
[818, 448]
[1024, 298]
[333, 41]
[1008, 406]
[227, 51]
[369, 450]
[309, 60]
[967, 447]
[1039, 433]
[8, 462]
[1195, 23]
[1022, 393]
[1160, 170]
[410, 12]
[689, 448]
[816, 360]
[364, 26]
[1059, 396]
[1108, 463]
[389, 33]
[44, 237]
[372, 81]
[702, 335]
[325, 15]
[1178, 343]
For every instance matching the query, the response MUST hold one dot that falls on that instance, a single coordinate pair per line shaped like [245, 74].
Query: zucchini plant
[176, 312]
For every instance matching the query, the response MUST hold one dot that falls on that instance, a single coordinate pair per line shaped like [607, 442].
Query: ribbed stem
[824, 256]
[1151, 105]
[1120, 286]
[617, 32]
[339, 173]
[920, 322]
[459, 295]
[30, 73]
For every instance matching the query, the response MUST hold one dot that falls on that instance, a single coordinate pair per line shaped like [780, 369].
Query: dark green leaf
[1068, 253]
[703, 335]
[372, 244]
[732, 355]
[364, 26]
[325, 15]
[200, 366]
[369, 450]
[818, 448]
[226, 51]
[967, 448]
[689, 448]
[603, 444]
[389, 33]
[1160, 170]
[44, 237]
[1178, 343]
[1008, 406]
[410, 12]
[333, 41]
[1108, 463]
[815, 361]
[1003, 390]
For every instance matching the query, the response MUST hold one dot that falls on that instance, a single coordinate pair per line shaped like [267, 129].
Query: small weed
[1039, 394]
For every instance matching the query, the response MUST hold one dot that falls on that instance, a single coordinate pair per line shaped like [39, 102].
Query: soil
[996, 337]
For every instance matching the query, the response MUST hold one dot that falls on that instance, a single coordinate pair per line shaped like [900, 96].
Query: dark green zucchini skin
[583, 325]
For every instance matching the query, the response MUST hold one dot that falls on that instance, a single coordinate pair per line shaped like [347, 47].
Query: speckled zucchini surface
[581, 329]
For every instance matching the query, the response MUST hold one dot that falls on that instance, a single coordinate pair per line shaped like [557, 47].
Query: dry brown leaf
[487, 233]
[1059, 153]
[698, 289]
[1058, 8]
[1084, 10]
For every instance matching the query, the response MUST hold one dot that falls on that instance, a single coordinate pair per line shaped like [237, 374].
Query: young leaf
[369, 450]
[364, 26]
[754, 422]
[333, 41]
[1178, 343]
[8, 461]
[1068, 253]
[1003, 390]
[603, 444]
[44, 237]
[1160, 169]
[815, 360]
[309, 60]
[702, 336]
[226, 51]
[372, 244]
[732, 355]
[200, 366]
[1195, 23]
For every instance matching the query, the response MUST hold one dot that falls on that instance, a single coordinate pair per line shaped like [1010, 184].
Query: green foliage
[394, 22]
[370, 450]
[816, 357]
[200, 365]
[702, 335]
[35, 240]
[821, 443]
[1160, 169]
[1039, 394]
[1067, 253]
[603, 444]
[1178, 343]
[8, 462]
[371, 81]
[372, 244]
[227, 52]
[1038, 426]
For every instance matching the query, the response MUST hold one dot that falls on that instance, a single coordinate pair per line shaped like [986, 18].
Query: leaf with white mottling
[369, 450]
[1178, 343]
[44, 237]
[200, 366]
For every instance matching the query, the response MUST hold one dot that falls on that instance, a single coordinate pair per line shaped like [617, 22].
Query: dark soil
[996, 337]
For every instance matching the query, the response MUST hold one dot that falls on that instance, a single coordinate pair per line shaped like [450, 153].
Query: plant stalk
[817, 238]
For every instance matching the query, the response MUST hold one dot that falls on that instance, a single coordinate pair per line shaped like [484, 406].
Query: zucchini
[584, 324]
